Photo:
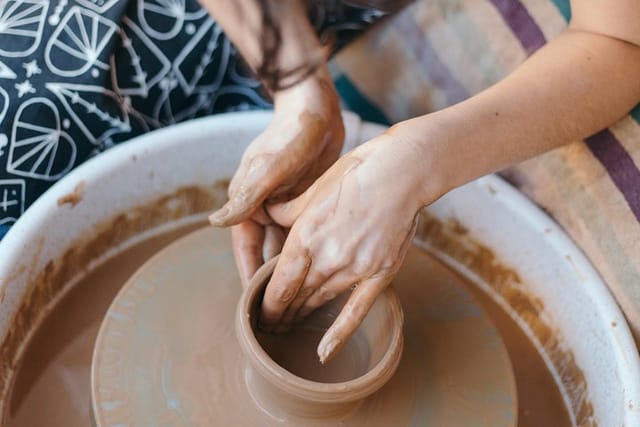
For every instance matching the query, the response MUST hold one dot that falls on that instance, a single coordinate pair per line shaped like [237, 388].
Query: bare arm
[353, 224]
[579, 83]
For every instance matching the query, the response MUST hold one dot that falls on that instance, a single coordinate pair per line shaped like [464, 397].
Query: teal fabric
[355, 101]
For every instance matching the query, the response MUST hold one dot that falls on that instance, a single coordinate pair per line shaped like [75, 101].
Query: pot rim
[340, 392]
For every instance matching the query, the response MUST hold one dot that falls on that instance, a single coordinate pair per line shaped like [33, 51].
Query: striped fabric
[438, 52]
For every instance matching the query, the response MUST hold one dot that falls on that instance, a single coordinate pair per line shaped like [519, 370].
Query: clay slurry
[173, 329]
[42, 398]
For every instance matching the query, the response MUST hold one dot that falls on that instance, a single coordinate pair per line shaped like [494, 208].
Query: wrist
[315, 97]
[318, 87]
[425, 157]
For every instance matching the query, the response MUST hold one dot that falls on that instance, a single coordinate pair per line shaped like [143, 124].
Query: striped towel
[443, 51]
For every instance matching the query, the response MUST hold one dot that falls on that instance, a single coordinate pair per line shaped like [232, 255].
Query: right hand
[350, 230]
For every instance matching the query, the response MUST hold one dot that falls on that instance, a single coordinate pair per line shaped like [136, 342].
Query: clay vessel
[362, 367]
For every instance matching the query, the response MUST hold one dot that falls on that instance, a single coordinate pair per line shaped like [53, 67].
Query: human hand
[304, 138]
[350, 229]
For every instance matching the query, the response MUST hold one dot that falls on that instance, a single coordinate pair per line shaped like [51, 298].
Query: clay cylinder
[283, 373]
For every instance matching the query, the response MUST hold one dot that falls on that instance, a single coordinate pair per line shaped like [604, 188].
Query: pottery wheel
[167, 354]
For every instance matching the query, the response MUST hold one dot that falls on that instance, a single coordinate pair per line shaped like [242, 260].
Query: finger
[241, 205]
[327, 291]
[247, 240]
[312, 281]
[283, 286]
[260, 180]
[286, 213]
[274, 237]
[351, 315]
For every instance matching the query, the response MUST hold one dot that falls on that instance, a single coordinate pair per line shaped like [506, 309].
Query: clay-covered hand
[304, 138]
[349, 230]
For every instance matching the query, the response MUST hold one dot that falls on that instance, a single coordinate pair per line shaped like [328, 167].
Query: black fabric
[77, 77]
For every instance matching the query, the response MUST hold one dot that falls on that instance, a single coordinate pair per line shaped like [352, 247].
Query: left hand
[351, 228]
[303, 139]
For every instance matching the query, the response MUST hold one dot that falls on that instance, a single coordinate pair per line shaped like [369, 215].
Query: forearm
[575, 86]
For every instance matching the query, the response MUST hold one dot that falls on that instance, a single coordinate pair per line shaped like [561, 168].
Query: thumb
[286, 213]
[237, 209]
[245, 198]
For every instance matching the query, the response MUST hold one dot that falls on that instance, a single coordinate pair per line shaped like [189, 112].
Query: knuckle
[305, 292]
[361, 267]
[330, 258]
[283, 294]
[294, 255]
[326, 294]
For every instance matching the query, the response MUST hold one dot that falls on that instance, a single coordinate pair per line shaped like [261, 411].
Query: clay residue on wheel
[19, 270]
[452, 239]
[74, 197]
[52, 280]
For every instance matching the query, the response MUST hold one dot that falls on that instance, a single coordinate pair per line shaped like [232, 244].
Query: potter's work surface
[167, 353]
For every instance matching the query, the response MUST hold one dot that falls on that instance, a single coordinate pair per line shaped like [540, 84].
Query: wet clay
[41, 397]
[540, 401]
[46, 286]
[452, 243]
[74, 197]
[167, 353]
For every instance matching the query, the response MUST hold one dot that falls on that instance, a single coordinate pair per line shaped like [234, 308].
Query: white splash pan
[577, 302]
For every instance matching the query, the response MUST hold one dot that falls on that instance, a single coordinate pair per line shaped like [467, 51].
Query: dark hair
[359, 14]
[272, 76]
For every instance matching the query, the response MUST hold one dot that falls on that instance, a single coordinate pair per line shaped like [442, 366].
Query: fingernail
[219, 217]
[326, 350]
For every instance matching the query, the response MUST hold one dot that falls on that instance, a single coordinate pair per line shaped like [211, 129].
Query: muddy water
[52, 385]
